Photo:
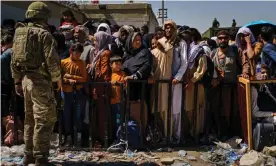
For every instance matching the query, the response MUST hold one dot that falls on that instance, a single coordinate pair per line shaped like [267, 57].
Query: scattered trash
[181, 164]
[234, 142]
[167, 161]
[170, 150]
[179, 159]
[270, 151]
[182, 153]
[17, 150]
[191, 158]
[223, 145]
[251, 159]
[5, 151]
[130, 154]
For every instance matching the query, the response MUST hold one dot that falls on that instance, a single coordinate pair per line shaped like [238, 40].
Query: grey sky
[201, 14]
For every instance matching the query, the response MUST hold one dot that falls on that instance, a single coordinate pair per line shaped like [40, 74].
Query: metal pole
[163, 4]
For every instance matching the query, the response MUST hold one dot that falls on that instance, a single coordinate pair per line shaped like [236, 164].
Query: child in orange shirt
[73, 71]
[117, 76]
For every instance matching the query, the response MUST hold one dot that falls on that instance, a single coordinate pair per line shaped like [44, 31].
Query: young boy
[117, 76]
[73, 71]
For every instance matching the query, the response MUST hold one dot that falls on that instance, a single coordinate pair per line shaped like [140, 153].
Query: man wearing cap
[35, 65]
[228, 65]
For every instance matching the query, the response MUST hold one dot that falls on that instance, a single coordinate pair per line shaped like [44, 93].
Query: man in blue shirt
[269, 50]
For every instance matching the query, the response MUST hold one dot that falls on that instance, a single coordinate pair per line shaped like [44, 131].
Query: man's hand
[88, 66]
[19, 90]
[274, 114]
[59, 84]
[246, 76]
[69, 76]
[72, 81]
[247, 39]
[128, 78]
[113, 82]
[175, 81]
[189, 84]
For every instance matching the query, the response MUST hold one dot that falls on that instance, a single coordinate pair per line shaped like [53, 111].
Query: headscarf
[67, 31]
[127, 28]
[244, 30]
[194, 51]
[104, 40]
[174, 34]
[106, 26]
[129, 41]
[215, 39]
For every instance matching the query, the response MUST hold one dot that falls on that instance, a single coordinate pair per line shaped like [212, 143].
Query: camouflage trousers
[40, 115]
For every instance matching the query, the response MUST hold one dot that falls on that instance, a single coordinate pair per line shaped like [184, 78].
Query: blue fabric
[6, 76]
[68, 115]
[180, 60]
[133, 134]
[258, 23]
[269, 58]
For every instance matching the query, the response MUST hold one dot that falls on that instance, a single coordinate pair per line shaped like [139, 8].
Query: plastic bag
[17, 150]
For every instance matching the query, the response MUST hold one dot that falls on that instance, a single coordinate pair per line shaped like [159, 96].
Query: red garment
[74, 23]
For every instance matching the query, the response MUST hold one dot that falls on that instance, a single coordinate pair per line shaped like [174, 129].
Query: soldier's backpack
[27, 47]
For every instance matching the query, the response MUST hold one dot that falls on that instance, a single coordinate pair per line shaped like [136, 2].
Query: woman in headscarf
[118, 45]
[197, 67]
[248, 48]
[100, 72]
[137, 66]
[104, 27]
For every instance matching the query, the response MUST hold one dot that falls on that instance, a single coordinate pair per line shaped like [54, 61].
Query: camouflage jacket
[51, 67]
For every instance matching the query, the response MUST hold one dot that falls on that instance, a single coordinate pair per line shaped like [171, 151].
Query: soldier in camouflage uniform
[35, 66]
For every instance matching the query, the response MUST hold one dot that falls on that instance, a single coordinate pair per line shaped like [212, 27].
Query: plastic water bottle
[258, 71]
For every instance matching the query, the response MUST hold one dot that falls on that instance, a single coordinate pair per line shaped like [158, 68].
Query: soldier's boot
[28, 160]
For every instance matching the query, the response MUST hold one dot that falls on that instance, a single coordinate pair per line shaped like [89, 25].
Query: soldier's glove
[19, 90]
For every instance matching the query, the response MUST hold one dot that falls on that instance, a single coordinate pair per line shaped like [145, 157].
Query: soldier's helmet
[38, 10]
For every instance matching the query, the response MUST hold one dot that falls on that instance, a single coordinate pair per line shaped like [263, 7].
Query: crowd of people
[115, 54]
